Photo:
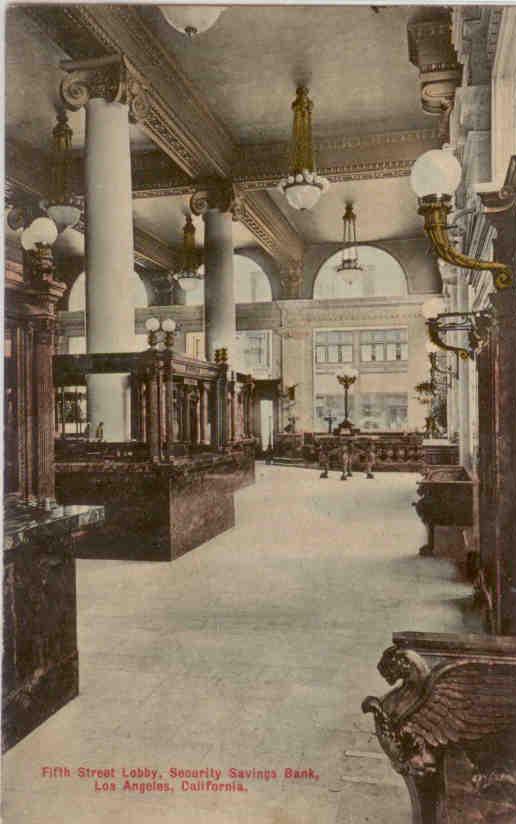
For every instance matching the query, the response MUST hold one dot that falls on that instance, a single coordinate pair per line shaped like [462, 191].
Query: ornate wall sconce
[37, 241]
[161, 333]
[434, 178]
[474, 324]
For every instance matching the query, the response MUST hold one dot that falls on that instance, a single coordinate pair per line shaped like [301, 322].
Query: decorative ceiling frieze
[339, 158]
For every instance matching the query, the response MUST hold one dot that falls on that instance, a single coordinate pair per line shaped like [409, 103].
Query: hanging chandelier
[303, 186]
[191, 20]
[350, 264]
[62, 206]
[188, 276]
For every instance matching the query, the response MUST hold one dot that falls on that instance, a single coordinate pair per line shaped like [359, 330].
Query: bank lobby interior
[259, 414]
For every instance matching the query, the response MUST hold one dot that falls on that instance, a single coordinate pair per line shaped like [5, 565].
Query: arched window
[77, 299]
[251, 284]
[381, 276]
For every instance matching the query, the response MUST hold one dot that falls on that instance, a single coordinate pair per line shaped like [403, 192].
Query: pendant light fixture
[188, 275]
[303, 186]
[350, 264]
[191, 20]
[62, 206]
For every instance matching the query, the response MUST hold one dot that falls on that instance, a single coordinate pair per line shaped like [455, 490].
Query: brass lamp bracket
[435, 211]
[475, 324]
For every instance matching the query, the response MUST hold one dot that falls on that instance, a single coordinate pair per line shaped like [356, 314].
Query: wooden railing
[394, 451]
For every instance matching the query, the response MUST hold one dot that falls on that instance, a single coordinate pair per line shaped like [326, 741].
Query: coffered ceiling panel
[355, 62]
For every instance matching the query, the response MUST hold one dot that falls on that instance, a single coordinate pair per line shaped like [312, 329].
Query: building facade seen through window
[383, 345]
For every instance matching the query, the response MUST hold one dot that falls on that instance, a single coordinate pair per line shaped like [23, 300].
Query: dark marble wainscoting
[156, 511]
[201, 507]
[40, 661]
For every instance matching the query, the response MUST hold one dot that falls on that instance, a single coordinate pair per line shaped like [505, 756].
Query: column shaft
[109, 260]
[219, 301]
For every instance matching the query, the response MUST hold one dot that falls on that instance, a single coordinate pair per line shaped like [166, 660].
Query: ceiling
[245, 69]
[385, 209]
[164, 217]
[355, 62]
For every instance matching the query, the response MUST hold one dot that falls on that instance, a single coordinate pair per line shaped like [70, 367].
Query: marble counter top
[24, 523]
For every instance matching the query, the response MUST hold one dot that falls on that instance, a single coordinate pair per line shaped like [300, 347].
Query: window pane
[366, 337]
[333, 354]
[366, 353]
[392, 352]
[320, 354]
[346, 354]
[404, 351]
[321, 337]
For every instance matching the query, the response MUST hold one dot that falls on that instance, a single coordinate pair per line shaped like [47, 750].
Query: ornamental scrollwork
[218, 194]
[452, 705]
[110, 78]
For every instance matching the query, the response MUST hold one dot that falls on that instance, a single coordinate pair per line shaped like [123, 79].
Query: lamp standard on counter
[346, 380]
[161, 333]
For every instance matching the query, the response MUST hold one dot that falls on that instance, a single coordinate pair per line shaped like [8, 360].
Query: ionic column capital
[111, 78]
[218, 194]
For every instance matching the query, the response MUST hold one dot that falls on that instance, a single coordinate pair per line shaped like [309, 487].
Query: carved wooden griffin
[464, 704]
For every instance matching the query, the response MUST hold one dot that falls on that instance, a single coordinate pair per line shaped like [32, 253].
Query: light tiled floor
[255, 650]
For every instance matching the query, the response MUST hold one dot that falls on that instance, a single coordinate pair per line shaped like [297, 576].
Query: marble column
[216, 205]
[44, 402]
[170, 409]
[153, 428]
[110, 95]
[463, 411]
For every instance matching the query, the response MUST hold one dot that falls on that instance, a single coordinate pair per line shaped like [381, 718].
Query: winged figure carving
[454, 704]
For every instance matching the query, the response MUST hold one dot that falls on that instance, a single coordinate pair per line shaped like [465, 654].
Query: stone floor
[253, 651]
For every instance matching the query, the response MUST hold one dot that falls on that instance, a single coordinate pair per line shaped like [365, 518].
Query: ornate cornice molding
[339, 158]
[431, 50]
[269, 226]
